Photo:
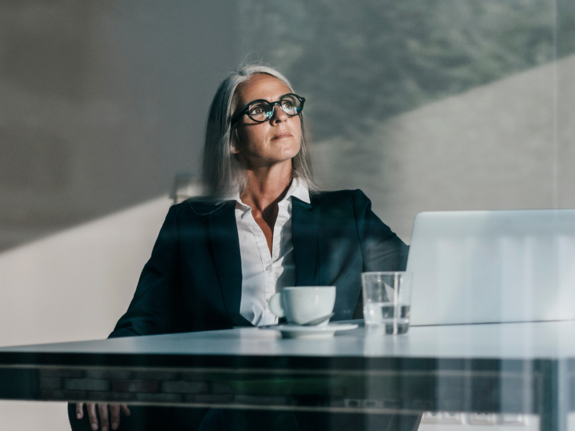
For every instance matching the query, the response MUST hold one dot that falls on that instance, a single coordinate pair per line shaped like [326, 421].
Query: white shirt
[265, 273]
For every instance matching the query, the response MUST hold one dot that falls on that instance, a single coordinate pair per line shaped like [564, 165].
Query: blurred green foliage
[360, 62]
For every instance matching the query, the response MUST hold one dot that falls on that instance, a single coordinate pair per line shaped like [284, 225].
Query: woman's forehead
[261, 86]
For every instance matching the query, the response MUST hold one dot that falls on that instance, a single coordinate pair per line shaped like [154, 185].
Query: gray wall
[436, 105]
[444, 104]
[101, 104]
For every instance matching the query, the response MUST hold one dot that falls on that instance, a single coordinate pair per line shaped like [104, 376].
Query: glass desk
[521, 368]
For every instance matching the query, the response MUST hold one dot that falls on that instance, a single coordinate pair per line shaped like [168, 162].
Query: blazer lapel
[226, 250]
[304, 235]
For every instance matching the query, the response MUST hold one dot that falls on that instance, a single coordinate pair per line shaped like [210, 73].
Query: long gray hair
[222, 173]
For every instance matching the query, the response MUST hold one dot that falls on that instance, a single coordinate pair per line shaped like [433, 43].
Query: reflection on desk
[512, 368]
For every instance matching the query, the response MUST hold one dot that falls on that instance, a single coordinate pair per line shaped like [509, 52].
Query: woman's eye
[288, 104]
[257, 110]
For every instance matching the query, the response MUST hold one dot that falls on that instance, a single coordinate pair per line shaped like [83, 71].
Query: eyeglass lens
[261, 110]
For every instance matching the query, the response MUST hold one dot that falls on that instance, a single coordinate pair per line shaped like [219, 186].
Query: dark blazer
[193, 280]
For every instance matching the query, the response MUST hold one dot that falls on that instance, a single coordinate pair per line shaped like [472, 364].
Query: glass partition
[434, 105]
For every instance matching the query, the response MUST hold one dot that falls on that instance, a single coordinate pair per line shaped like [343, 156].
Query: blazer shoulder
[200, 207]
[338, 197]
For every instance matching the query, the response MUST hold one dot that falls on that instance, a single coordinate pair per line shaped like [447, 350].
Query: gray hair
[222, 173]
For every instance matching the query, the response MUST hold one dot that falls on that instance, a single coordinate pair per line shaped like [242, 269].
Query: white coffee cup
[302, 304]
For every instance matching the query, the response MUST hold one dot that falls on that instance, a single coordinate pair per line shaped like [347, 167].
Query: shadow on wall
[506, 145]
[101, 103]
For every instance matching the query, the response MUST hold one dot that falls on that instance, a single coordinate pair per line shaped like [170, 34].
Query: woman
[264, 226]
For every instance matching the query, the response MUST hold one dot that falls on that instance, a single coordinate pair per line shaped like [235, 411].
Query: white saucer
[312, 332]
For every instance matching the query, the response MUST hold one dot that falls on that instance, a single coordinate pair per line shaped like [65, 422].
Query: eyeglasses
[261, 110]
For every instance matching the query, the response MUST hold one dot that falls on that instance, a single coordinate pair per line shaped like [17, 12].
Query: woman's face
[274, 141]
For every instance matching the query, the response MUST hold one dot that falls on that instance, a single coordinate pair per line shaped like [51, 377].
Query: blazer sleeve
[381, 249]
[152, 305]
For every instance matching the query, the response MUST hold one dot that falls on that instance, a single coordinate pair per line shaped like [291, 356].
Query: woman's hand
[105, 418]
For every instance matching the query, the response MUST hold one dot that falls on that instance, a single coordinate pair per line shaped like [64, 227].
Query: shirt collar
[298, 189]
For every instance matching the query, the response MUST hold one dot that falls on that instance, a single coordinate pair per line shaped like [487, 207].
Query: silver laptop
[493, 266]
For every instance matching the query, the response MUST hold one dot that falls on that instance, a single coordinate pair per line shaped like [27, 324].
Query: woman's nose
[279, 115]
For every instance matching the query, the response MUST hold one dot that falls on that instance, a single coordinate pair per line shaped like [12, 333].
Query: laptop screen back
[493, 266]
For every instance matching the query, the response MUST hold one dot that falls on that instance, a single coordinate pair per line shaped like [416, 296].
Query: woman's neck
[266, 187]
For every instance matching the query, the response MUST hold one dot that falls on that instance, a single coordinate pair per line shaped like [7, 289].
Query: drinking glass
[387, 300]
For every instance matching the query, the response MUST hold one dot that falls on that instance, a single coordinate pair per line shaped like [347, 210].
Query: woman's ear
[236, 143]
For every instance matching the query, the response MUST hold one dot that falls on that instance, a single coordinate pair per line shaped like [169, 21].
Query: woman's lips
[282, 135]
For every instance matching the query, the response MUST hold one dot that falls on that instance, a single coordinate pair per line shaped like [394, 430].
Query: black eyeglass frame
[272, 105]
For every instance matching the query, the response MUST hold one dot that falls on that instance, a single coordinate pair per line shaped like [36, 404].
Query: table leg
[554, 401]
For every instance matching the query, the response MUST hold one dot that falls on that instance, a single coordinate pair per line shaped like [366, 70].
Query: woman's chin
[290, 151]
